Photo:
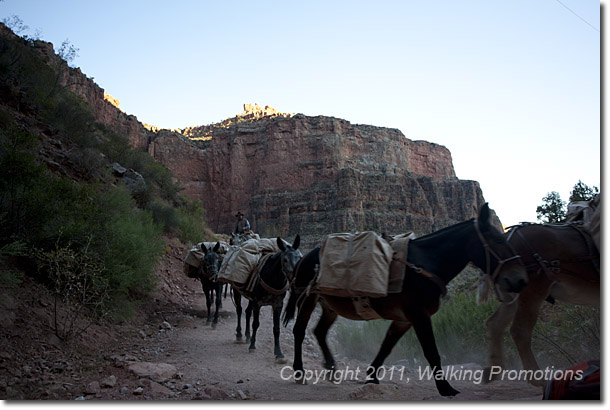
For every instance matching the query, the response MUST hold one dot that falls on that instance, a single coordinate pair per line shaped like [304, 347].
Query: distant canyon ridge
[292, 173]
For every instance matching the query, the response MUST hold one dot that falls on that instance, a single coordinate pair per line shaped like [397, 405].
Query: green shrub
[192, 226]
[38, 206]
[164, 215]
[130, 243]
[73, 117]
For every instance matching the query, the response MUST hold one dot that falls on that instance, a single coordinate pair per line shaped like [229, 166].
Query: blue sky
[511, 88]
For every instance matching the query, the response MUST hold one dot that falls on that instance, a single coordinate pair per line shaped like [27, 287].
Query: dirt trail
[211, 356]
[119, 362]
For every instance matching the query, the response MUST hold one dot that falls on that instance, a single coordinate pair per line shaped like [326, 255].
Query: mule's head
[495, 257]
[290, 256]
[235, 239]
[211, 261]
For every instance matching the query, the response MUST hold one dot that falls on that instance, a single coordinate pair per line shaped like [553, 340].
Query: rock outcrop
[315, 175]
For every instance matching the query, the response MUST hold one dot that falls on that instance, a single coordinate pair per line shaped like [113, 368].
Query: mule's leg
[326, 321]
[277, 313]
[237, 299]
[255, 324]
[249, 309]
[208, 302]
[425, 335]
[392, 336]
[218, 291]
[496, 324]
[522, 328]
[300, 326]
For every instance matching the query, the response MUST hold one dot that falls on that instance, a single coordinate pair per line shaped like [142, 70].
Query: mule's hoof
[445, 389]
[451, 392]
[214, 325]
[280, 360]
[372, 381]
[251, 349]
[300, 380]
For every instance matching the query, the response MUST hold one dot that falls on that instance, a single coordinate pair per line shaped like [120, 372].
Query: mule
[562, 264]
[208, 276]
[271, 285]
[432, 261]
[240, 238]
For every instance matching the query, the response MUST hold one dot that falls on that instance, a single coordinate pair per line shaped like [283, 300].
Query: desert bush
[79, 288]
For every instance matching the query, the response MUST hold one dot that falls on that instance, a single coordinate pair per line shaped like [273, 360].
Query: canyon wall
[316, 175]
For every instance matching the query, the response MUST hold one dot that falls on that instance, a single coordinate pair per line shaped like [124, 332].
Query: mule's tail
[304, 274]
[291, 308]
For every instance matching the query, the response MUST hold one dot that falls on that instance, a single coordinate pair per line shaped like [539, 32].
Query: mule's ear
[296, 242]
[280, 244]
[203, 248]
[217, 247]
[484, 214]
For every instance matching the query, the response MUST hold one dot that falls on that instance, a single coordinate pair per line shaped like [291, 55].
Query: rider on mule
[242, 225]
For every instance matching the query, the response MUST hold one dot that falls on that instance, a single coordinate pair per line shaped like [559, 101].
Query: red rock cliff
[315, 175]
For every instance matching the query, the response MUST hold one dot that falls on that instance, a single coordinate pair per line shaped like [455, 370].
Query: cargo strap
[256, 278]
[434, 278]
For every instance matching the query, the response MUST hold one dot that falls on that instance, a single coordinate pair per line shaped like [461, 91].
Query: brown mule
[443, 255]
[563, 264]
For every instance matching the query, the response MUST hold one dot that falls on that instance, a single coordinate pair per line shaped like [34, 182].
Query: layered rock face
[316, 175]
